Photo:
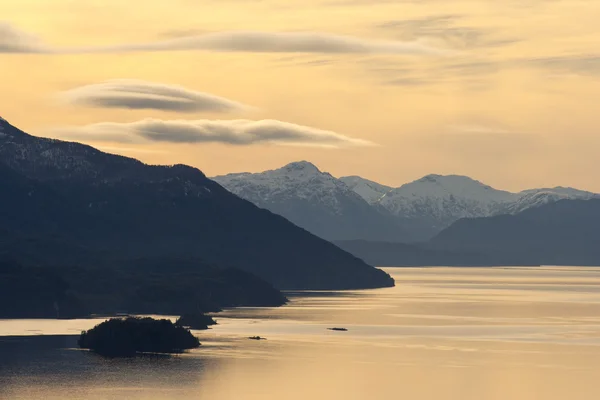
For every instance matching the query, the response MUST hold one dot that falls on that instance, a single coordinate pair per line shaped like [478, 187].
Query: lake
[441, 333]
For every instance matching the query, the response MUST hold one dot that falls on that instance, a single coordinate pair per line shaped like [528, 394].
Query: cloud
[444, 28]
[480, 125]
[13, 41]
[137, 94]
[120, 149]
[480, 144]
[234, 132]
[580, 64]
[280, 42]
[411, 81]
[474, 129]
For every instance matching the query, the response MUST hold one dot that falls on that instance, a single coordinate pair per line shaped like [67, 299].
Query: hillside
[120, 208]
[566, 232]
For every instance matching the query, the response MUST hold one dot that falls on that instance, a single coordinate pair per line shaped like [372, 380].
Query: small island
[196, 321]
[127, 337]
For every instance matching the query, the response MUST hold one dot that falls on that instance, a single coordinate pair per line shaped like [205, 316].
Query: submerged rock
[127, 337]
[257, 338]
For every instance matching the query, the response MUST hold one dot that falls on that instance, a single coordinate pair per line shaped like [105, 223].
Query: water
[442, 333]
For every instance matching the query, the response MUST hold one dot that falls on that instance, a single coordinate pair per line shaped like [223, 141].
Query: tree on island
[127, 337]
[196, 321]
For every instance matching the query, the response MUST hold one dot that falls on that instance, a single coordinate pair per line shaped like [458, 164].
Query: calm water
[485, 334]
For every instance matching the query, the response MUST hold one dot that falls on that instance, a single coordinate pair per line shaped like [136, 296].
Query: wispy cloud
[474, 129]
[233, 132]
[584, 64]
[137, 94]
[482, 139]
[13, 40]
[446, 29]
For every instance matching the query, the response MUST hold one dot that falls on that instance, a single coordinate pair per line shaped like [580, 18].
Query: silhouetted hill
[566, 232]
[116, 207]
[165, 286]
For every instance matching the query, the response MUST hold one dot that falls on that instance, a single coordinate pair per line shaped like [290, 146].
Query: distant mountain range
[415, 212]
[66, 202]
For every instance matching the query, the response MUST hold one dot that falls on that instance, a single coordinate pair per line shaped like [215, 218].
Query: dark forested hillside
[164, 286]
[563, 233]
[58, 194]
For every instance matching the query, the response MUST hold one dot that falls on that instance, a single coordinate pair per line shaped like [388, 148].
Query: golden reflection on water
[441, 333]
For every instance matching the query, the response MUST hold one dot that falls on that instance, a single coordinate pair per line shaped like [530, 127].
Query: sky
[506, 92]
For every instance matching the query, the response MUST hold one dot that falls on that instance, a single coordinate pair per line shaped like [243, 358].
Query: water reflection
[516, 333]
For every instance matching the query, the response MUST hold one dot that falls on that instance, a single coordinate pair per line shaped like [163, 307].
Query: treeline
[158, 286]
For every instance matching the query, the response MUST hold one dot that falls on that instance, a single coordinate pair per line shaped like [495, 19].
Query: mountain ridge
[565, 232]
[108, 203]
[413, 212]
[314, 200]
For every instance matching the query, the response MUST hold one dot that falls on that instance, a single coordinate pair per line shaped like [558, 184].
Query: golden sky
[503, 91]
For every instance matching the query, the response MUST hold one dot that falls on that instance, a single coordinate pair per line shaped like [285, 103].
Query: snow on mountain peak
[369, 190]
[451, 185]
[297, 180]
[301, 166]
[566, 191]
[451, 182]
[443, 198]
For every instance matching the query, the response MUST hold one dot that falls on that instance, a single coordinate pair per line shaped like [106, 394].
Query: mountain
[563, 232]
[370, 191]
[566, 232]
[566, 192]
[75, 196]
[315, 201]
[354, 208]
[538, 197]
[434, 202]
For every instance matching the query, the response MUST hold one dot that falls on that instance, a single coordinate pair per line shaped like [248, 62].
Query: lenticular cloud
[13, 40]
[234, 132]
[137, 94]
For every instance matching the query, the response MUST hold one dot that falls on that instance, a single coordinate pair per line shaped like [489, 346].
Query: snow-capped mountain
[368, 190]
[356, 208]
[435, 201]
[299, 180]
[562, 191]
[443, 199]
[539, 197]
[315, 201]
